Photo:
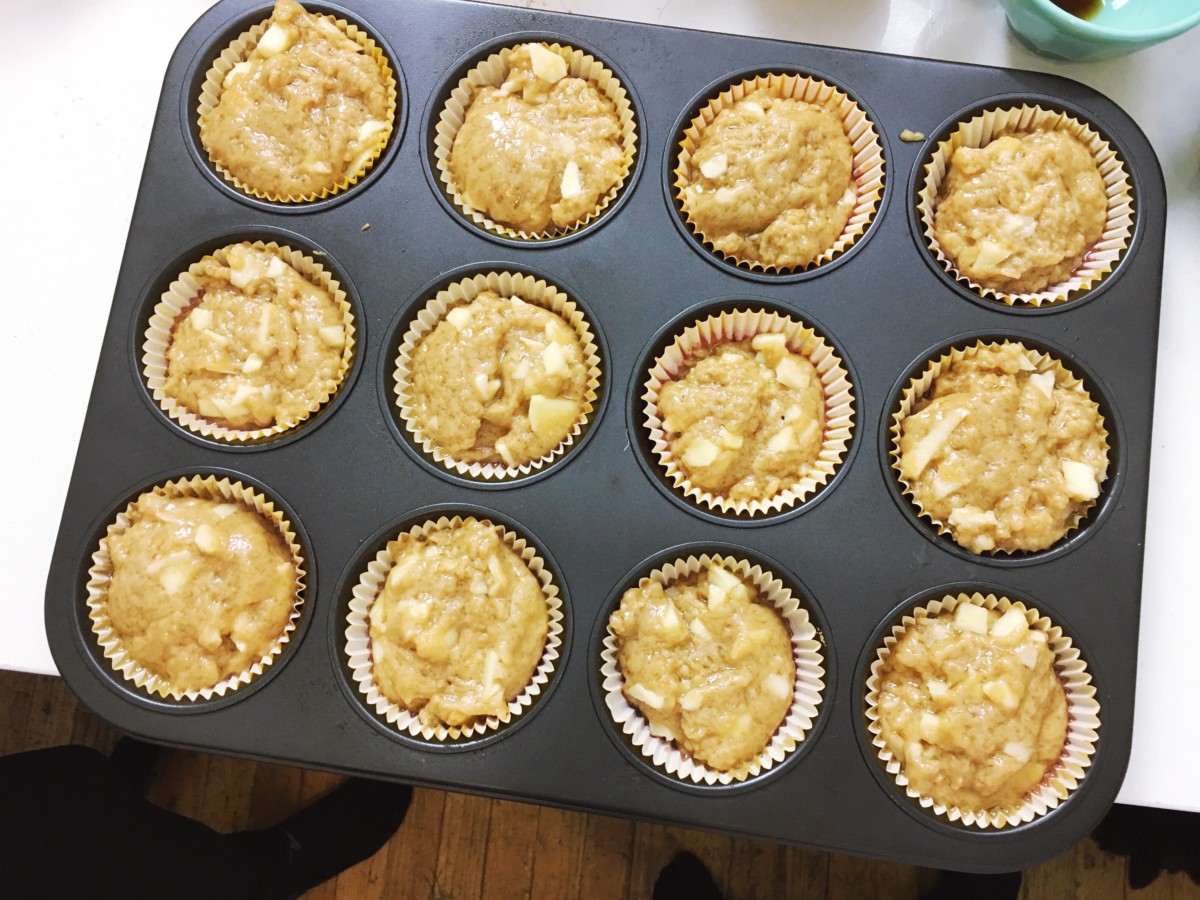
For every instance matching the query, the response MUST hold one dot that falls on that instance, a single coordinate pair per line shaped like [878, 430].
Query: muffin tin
[855, 552]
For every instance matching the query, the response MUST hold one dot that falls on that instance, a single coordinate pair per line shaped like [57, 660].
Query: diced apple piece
[252, 364]
[783, 440]
[174, 578]
[696, 627]
[235, 73]
[215, 337]
[918, 457]
[700, 453]
[1010, 626]
[552, 417]
[558, 332]
[316, 166]
[777, 686]
[490, 664]
[1044, 382]
[505, 452]
[225, 510]
[643, 694]
[572, 184]
[485, 387]
[721, 576]
[754, 110]
[729, 440]
[459, 317]
[1028, 655]
[332, 335]
[718, 597]
[930, 728]
[791, 372]
[1025, 364]
[769, 340]
[691, 700]
[547, 65]
[206, 539]
[715, 165]
[971, 517]
[1000, 693]
[725, 195]
[938, 689]
[1081, 480]
[970, 617]
[991, 254]
[1020, 752]
[201, 319]
[242, 393]
[554, 360]
[369, 128]
[275, 40]
[264, 324]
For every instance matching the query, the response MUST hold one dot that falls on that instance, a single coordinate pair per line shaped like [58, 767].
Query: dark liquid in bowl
[1084, 9]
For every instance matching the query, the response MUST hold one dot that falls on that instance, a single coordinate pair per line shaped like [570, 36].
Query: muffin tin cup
[741, 325]
[174, 307]
[101, 571]
[1098, 261]
[357, 647]
[919, 387]
[1083, 718]
[808, 688]
[507, 284]
[867, 173]
[491, 72]
[238, 51]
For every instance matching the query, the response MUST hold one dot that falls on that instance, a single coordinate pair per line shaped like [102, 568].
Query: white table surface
[72, 157]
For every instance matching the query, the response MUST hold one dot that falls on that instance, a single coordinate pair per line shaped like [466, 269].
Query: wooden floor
[453, 846]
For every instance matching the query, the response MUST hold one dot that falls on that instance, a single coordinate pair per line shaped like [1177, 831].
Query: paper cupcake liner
[807, 692]
[358, 640]
[239, 51]
[506, 284]
[867, 172]
[740, 325]
[177, 302]
[491, 72]
[920, 386]
[100, 576]
[1097, 262]
[1083, 718]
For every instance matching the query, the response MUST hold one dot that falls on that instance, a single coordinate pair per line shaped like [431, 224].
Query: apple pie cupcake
[196, 588]
[535, 141]
[454, 629]
[1026, 206]
[297, 108]
[982, 710]
[712, 668]
[497, 376]
[779, 173]
[1001, 447]
[249, 343]
[749, 412]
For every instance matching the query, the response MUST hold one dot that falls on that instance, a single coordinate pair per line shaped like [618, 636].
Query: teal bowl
[1120, 27]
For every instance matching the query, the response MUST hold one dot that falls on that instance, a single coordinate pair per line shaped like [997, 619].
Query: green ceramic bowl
[1120, 27]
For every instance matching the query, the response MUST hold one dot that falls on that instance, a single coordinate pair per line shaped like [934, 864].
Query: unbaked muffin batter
[541, 151]
[746, 419]
[971, 706]
[308, 109]
[707, 663]
[201, 589]
[459, 626]
[1019, 214]
[499, 380]
[1002, 453]
[771, 181]
[260, 346]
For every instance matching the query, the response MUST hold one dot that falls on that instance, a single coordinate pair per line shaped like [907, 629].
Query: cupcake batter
[459, 626]
[707, 663]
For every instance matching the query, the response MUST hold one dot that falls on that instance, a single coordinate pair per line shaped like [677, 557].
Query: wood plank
[657, 845]
[806, 872]
[559, 856]
[462, 848]
[1056, 878]
[757, 870]
[512, 836]
[16, 699]
[854, 877]
[412, 857]
[1098, 874]
[608, 853]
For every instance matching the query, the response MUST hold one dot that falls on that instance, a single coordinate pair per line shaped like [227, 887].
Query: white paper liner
[506, 284]
[740, 325]
[1097, 262]
[358, 640]
[807, 694]
[100, 576]
[867, 171]
[238, 51]
[491, 72]
[920, 386]
[180, 296]
[1083, 718]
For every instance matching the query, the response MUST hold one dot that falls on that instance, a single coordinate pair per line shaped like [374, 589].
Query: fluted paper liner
[506, 284]
[491, 72]
[868, 166]
[920, 386]
[1098, 261]
[808, 687]
[100, 576]
[239, 51]
[1083, 717]
[740, 325]
[176, 304]
[358, 639]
